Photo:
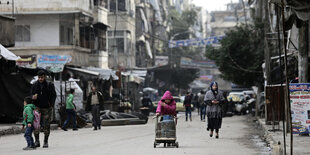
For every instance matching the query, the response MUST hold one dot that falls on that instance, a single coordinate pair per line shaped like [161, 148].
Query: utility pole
[265, 17]
[303, 52]
[287, 99]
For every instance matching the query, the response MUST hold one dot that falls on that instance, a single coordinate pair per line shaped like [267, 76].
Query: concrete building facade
[61, 27]
[222, 21]
[121, 36]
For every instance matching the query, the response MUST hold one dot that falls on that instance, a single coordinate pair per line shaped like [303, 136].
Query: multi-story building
[61, 27]
[151, 30]
[121, 37]
[227, 19]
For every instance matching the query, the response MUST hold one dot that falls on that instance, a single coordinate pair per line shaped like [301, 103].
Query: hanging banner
[198, 42]
[53, 63]
[300, 107]
[27, 61]
[190, 63]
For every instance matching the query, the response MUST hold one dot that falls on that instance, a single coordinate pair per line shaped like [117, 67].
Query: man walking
[95, 103]
[44, 95]
[71, 112]
[202, 106]
[187, 103]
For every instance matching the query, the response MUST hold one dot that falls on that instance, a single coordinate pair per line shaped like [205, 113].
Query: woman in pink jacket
[166, 106]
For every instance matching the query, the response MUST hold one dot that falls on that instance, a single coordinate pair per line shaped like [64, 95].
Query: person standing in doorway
[43, 95]
[95, 103]
[187, 104]
[71, 112]
[202, 106]
[214, 98]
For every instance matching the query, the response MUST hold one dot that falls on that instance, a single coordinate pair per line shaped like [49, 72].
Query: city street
[236, 137]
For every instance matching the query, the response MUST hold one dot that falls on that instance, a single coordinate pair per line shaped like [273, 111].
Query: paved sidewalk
[300, 143]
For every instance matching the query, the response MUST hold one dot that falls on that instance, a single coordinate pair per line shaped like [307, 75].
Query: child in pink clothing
[167, 105]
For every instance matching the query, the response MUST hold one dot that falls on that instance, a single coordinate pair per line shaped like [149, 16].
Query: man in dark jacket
[187, 103]
[95, 103]
[44, 95]
[202, 106]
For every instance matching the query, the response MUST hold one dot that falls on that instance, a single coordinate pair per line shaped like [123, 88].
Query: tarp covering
[301, 8]
[134, 76]
[6, 54]
[13, 89]
[300, 11]
[104, 74]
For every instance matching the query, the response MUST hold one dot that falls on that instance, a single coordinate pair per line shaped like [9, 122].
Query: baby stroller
[165, 131]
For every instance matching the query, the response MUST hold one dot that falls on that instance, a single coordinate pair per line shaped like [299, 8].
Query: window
[118, 5]
[117, 44]
[122, 5]
[102, 3]
[101, 39]
[22, 33]
[112, 5]
[121, 42]
[66, 35]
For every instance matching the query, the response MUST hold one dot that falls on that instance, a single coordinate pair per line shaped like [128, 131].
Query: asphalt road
[236, 137]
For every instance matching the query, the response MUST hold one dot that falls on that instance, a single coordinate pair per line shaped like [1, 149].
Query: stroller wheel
[176, 144]
[165, 144]
[154, 144]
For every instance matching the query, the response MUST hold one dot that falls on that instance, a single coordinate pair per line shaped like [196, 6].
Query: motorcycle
[240, 107]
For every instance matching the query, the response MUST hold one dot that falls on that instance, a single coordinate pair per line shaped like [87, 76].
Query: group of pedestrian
[38, 108]
[42, 100]
[210, 104]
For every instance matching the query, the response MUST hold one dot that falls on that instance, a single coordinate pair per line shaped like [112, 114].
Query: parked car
[236, 96]
[238, 101]
[179, 104]
[251, 93]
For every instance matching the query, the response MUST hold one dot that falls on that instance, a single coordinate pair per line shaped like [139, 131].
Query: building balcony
[100, 15]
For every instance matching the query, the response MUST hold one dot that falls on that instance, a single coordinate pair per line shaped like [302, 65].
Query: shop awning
[104, 74]
[133, 76]
[8, 55]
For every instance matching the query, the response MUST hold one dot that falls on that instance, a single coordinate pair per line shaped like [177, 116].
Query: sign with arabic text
[53, 63]
[27, 61]
[300, 107]
[197, 42]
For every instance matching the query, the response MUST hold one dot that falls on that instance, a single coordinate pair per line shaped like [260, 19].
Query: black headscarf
[214, 91]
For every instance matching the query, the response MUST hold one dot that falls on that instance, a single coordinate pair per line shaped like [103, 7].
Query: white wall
[44, 29]
[23, 6]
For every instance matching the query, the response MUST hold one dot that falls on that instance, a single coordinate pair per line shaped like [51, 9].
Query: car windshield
[177, 99]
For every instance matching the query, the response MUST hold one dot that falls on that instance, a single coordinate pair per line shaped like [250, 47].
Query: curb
[11, 130]
[273, 144]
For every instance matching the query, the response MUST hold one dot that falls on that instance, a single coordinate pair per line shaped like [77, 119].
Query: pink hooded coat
[168, 109]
